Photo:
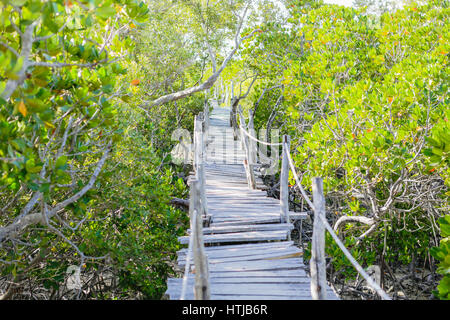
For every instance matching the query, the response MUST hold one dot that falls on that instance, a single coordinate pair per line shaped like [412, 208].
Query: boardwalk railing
[198, 212]
[317, 261]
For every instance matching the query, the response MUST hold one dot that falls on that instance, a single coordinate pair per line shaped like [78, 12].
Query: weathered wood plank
[259, 265]
[254, 289]
[242, 280]
[219, 218]
[246, 297]
[217, 215]
[262, 205]
[235, 221]
[265, 245]
[239, 197]
[220, 256]
[243, 212]
[262, 256]
[240, 237]
[258, 296]
[282, 274]
[245, 228]
[238, 251]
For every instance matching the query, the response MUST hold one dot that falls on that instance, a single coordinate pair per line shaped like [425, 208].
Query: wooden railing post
[197, 144]
[206, 116]
[252, 144]
[199, 152]
[317, 262]
[247, 164]
[241, 119]
[201, 287]
[284, 180]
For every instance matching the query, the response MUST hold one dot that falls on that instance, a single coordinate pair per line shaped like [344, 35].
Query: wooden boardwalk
[249, 255]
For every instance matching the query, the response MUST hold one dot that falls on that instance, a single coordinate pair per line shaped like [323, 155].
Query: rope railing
[349, 256]
[317, 262]
[352, 260]
[188, 260]
[257, 140]
[248, 148]
[198, 210]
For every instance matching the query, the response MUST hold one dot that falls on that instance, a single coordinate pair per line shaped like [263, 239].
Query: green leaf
[60, 162]
[17, 3]
[105, 12]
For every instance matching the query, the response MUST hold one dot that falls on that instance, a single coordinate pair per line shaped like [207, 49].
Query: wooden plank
[279, 289]
[245, 252]
[239, 215]
[243, 221]
[231, 192]
[252, 236]
[247, 291]
[289, 254]
[226, 199]
[242, 212]
[228, 178]
[245, 228]
[317, 262]
[238, 221]
[174, 294]
[259, 265]
[232, 182]
[262, 202]
[284, 177]
[280, 274]
[233, 188]
[265, 245]
[222, 257]
[297, 215]
[249, 217]
[238, 297]
[227, 188]
[243, 209]
[239, 197]
[242, 280]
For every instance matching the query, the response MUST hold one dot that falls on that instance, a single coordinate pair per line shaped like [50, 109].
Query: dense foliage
[365, 101]
[86, 175]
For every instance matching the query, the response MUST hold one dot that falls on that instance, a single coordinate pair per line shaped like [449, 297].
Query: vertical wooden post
[284, 180]
[240, 116]
[206, 115]
[201, 287]
[252, 144]
[317, 262]
[201, 117]
[197, 143]
[247, 165]
[199, 151]
[232, 89]
[251, 155]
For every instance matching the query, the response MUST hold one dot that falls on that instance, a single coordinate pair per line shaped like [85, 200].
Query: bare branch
[213, 78]
[9, 48]
[16, 227]
[37, 39]
[361, 219]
